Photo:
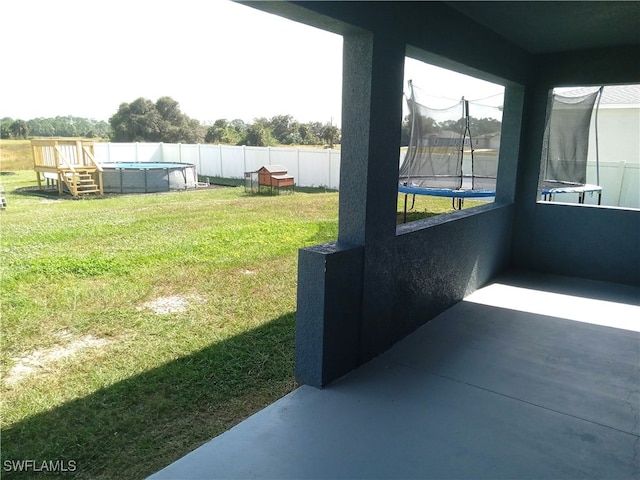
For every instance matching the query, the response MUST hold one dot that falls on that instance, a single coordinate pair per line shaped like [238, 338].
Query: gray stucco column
[510, 143]
[345, 288]
[534, 114]
[372, 117]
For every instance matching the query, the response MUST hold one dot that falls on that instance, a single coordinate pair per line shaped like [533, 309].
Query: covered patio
[495, 342]
[533, 376]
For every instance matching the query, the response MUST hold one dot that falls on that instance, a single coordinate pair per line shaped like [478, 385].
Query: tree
[64, 127]
[282, 127]
[68, 127]
[190, 131]
[216, 132]
[485, 126]
[307, 135]
[330, 134]
[5, 123]
[238, 125]
[229, 133]
[316, 129]
[478, 126]
[169, 110]
[258, 135]
[19, 129]
[162, 121]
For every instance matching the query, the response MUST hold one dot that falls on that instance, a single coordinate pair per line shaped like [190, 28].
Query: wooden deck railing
[71, 160]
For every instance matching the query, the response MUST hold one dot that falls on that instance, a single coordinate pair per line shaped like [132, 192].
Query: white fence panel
[189, 153]
[233, 162]
[630, 186]
[209, 161]
[128, 152]
[315, 168]
[334, 166]
[114, 152]
[170, 152]
[148, 152]
[287, 157]
[620, 182]
[610, 180]
[256, 157]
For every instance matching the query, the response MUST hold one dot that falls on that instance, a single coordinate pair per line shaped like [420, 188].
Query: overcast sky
[216, 58]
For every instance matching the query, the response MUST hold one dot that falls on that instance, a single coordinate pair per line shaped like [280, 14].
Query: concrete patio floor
[530, 377]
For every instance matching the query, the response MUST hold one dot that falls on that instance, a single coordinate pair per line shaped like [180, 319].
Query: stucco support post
[328, 314]
[534, 115]
[372, 117]
[345, 298]
[510, 143]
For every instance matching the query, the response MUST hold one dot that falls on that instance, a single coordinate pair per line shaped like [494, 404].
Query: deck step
[81, 181]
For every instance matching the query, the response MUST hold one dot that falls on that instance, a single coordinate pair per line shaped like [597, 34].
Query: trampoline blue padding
[445, 192]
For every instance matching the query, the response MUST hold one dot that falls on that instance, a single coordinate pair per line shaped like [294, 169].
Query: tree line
[68, 126]
[162, 121]
[478, 126]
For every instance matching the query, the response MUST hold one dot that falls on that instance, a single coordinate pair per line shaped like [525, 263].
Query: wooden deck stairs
[81, 182]
[69, 163]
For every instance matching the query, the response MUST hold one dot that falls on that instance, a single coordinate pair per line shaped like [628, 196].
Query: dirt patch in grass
[172, 304]
[38, 361]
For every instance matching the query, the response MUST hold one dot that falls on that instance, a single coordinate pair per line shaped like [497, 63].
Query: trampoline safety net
[454, 148]
[566, 141]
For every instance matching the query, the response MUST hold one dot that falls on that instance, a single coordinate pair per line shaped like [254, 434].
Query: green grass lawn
[140, 389]
[94, 371]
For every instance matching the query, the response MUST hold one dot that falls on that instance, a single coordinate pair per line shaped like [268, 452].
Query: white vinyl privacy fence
[313, 167]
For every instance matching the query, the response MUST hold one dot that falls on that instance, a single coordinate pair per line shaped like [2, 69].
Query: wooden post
[79, 153]
[56, 156]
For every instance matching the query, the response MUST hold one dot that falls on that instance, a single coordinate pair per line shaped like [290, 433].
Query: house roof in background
[621, 94]
[611, 95]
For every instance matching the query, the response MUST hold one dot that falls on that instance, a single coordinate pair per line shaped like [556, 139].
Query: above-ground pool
[147, 177]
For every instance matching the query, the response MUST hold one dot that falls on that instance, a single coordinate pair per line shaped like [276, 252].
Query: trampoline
[566, 144]
[448, 156]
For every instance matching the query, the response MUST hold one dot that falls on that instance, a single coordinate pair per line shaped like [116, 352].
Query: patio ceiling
[549, 27]
[534, 26]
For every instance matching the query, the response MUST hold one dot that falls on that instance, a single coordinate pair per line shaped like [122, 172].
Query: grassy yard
[94, 371]
[137, 327]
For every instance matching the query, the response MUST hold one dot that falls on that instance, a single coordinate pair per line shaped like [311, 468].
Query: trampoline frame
[457, 195]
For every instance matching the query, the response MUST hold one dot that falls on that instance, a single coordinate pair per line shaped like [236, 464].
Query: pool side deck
[533, 376]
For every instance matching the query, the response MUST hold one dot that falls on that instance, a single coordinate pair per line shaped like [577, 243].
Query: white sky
[216, 58]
